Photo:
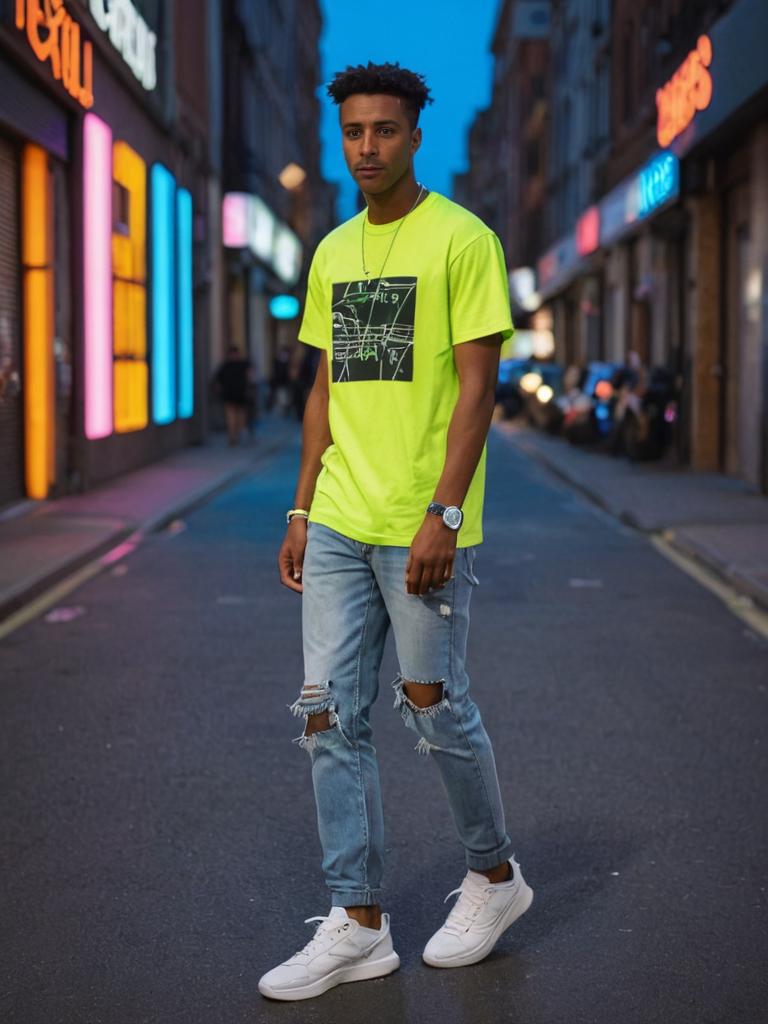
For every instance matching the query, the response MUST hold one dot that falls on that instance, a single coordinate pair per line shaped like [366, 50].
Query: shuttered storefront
[11, 406]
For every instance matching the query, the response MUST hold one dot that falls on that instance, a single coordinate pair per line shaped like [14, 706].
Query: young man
[407, 302]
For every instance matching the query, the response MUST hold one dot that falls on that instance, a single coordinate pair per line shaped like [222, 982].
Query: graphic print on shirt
[373, 324]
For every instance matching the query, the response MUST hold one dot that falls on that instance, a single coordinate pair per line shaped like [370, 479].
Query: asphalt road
[158, 845]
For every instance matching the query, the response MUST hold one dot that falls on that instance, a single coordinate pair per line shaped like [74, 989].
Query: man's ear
[415, 139]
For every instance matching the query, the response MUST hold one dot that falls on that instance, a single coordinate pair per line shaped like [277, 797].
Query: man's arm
[315, 438]
[434, 547]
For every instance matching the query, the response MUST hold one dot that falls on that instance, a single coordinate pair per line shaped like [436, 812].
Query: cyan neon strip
[163, 296]
[184, 302]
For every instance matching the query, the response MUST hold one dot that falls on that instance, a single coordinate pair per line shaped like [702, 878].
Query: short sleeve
[316, 323]
[479, 291]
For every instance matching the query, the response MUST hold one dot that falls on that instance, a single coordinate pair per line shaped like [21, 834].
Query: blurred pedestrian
[233, 381]
[280, 387]
[384, 533]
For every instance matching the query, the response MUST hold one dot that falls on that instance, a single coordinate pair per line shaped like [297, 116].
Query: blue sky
[446, 40]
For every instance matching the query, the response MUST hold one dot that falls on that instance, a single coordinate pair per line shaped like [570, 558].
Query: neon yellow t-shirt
[392, 378]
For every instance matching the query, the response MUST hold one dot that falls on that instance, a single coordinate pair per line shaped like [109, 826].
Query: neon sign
[688, 91]
[659, 181]
[284, 307]
[248, 223]
[130, 35]
[129, 292]
[115, 222]
[54, 36]
[588, 231]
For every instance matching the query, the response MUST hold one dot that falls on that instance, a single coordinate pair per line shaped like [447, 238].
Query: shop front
[713, 115]
[264, 259]
[98, 332]
[36, 331]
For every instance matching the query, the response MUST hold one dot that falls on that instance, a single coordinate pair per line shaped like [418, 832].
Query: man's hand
[290, 559]
[430, 560]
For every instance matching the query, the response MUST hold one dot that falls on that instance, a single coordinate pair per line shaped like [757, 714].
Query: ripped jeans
[352, 593]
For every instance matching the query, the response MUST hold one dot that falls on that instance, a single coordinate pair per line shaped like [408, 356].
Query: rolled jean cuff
[484, 861]
[361, 898]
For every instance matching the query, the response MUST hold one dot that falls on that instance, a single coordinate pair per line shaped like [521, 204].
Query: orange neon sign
[54, 36]
[688, 91]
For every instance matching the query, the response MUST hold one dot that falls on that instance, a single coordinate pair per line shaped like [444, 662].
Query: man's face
[378, 140]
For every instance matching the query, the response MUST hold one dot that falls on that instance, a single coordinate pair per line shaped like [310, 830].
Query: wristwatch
[451, 515]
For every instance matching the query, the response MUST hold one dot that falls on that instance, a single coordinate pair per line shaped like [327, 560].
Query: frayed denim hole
[333, 734]
[403, 701]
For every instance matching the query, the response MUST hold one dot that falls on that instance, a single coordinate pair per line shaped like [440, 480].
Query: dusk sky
[446, 40]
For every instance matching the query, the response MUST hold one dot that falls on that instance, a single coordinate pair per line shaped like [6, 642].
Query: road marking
[738, 603]
[51, 597]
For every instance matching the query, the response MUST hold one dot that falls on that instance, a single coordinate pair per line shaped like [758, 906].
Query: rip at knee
[421, 696]
[316, 704]
[420, 701]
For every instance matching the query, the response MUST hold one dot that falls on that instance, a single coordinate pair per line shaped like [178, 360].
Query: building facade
[656, 228]
[103, 239]
[159, 184]
[277, 205]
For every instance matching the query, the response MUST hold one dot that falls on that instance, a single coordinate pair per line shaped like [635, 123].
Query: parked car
[540, 387]
[507, 390]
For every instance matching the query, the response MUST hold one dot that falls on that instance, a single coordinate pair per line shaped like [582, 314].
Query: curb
[135, 532]
[726, 572]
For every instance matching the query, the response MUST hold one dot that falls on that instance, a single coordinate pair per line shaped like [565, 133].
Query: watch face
[452, 517]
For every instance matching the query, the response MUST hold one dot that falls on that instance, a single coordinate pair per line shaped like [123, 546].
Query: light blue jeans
[352, 593]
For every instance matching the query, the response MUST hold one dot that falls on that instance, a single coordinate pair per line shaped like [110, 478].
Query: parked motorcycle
[644, 415]
[587, 406]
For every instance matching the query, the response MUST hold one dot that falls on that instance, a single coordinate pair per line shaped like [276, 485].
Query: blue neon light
[163, 295]
[659, 182]
[284, 307]
[184, 303]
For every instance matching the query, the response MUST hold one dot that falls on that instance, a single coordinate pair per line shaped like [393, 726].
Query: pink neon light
[97, 241]
[234, 217]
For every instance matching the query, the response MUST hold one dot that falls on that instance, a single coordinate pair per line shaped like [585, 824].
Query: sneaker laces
[317, 940]
[472, 899]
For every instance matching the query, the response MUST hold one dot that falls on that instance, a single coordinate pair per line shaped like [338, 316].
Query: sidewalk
[719, 521]
[43, 542]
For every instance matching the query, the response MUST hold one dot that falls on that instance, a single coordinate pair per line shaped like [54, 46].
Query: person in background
[233, 381]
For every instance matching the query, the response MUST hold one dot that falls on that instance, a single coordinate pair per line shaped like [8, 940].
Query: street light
[291, 176]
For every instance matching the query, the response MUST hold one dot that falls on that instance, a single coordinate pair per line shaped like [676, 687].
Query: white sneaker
[341, 950]
[479, 916]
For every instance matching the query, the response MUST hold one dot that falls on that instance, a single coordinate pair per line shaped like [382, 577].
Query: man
[407, 302]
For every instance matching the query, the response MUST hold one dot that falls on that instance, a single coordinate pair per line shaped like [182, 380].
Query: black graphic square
[373, 325]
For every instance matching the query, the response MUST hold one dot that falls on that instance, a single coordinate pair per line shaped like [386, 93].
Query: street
[160, 851]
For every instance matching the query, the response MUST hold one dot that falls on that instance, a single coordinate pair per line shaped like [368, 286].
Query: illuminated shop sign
[55, 38]
[557, 261]
[658, 182]
[588, 231]
[130, 35]
[284, 307]
[688, 91]
[248, 223]
[116, 287]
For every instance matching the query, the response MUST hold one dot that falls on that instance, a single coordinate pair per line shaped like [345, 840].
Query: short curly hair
[389, 79]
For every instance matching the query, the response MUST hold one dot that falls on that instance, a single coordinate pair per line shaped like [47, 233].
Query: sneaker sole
[516, 910]
[356, 972]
